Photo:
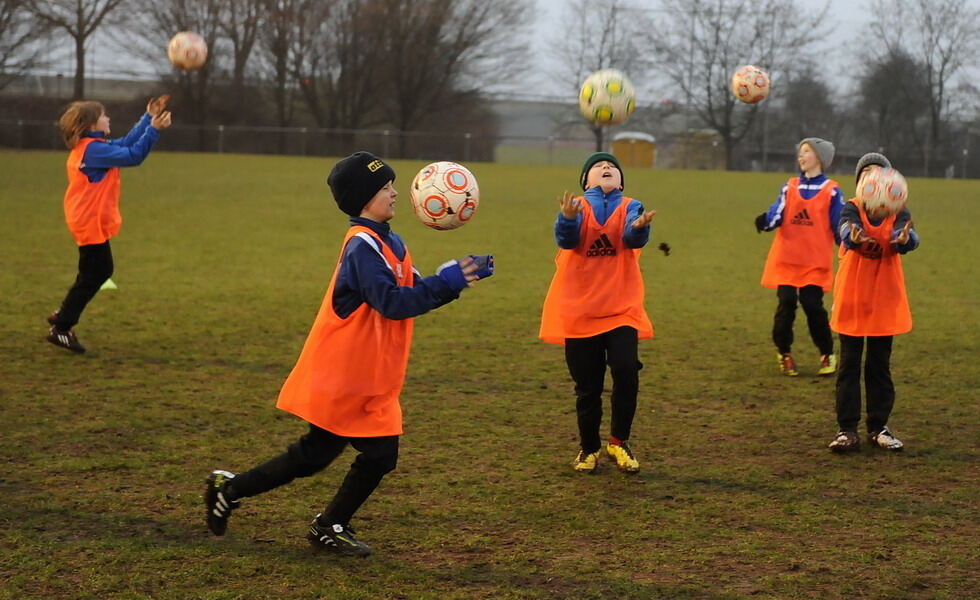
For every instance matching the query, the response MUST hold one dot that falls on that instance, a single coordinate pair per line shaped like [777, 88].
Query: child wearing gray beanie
[800, 261]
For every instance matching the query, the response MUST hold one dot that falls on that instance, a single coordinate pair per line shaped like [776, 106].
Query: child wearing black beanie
[348, 378]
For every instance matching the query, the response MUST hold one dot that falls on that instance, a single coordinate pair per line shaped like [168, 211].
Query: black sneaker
[65, 339]
[337, 538]
[219, 501]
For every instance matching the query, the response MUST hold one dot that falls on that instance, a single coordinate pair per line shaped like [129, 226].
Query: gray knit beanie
[823, 148]
[871, 158]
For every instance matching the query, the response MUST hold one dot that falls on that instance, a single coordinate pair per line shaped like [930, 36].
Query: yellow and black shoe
[623, 455]
[337, 538]
[828, 364]
[586, 462]
[787, 366]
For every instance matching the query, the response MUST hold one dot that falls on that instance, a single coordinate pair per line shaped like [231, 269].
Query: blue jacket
[603, 205]
[128, 151]
[809, 186]
[850, 215]
[364, 276]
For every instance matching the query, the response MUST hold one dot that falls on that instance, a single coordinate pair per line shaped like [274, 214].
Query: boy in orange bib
[91, 201]
[800, 261]
[347, 381]
[594, 306]
[870, 303]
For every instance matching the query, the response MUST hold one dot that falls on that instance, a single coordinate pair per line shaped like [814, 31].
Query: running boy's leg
[782, 323]
[307, 456]
[94, 267]
[586, 359]
[624, 364]
[811, 299]
[878, 384]
[377, 457]
[849, 383]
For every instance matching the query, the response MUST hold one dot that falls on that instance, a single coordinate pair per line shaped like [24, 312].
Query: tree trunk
[597, 131]
[79, 92]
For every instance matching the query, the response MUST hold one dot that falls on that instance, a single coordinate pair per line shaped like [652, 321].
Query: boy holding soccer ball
[870, 304]
[800, 261]
[594, 307]
[350, 372]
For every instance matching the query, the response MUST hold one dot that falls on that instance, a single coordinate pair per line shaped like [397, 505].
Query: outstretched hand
[157, 105]
[643, 220]
[162, 120]
[857, 235]
[469, 267]
[903, 236]
[570, 206]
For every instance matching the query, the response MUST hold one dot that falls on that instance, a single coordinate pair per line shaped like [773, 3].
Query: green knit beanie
[599, 157]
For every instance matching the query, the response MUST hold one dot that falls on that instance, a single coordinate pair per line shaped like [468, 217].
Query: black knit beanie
[871, 158]
[356, 179]
[598, 157]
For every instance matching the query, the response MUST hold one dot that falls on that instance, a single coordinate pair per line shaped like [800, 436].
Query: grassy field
[221, 265]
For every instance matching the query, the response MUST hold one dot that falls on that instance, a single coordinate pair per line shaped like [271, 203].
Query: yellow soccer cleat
[828, 364]
[586, 462]
[623, 455]
[787, 366]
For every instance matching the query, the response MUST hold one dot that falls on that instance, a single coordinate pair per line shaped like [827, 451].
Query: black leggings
[94, 268]
[587, 359]
[811, 298]
[311, 454]
[878, 386]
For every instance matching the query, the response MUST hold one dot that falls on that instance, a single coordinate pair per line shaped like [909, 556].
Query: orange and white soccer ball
[607, 97]
[883, 192]
[750, 84]
[445, 195]
[187, 50]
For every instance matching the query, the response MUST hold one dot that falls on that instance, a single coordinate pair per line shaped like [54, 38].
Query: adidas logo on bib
[601, 247]
[802, 218]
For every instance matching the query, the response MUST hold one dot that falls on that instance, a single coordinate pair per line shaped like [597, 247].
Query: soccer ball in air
[187, 50]
[883, 192]
[607, 97]
[750, 84]
[445, 195]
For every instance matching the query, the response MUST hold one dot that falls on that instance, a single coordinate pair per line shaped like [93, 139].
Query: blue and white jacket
[364, 276]
[128, 151]
[809, 186]
[603, 205]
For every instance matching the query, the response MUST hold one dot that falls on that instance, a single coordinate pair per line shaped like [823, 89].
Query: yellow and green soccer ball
[607, 97]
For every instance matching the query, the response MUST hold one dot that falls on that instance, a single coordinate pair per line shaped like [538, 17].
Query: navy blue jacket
[127, 151]
[603, 205]
[809, 186]
[364, 276]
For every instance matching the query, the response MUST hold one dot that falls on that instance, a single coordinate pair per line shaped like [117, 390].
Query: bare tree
[80, 19]
[438, 52]
[240, 25]
[600, 34]
[700, 43]
[155, 22]
[20, 36]
[941, 35]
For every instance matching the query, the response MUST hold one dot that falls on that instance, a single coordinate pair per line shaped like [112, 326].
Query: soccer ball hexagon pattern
[750, 84]
[187, 51]
[884, 192]
[607, 97]
[445, 195]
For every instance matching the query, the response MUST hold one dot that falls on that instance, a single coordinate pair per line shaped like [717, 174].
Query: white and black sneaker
[846, 441]
[65, 339]
[336, 538]
[219, 501]
[885, 440]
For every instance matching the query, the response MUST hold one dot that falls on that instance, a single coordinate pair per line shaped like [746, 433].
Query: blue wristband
[452, 274]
